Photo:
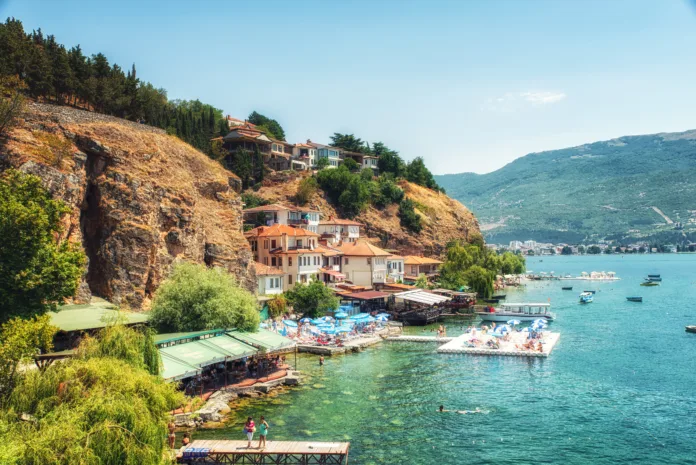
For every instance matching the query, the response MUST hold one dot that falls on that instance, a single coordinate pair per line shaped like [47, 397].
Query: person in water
[186, 441]
[465, 412]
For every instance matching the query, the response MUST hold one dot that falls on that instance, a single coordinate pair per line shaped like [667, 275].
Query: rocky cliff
[140, 199]
[444, 219]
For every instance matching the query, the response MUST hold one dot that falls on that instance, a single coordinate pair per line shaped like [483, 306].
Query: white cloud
[512, 101]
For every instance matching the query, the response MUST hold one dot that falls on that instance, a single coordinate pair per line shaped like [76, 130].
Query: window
[369, 261]
[273, 244]
[289, 279]
[265, 260]
[273, 261]
[265, 244]
[298, 243]
[346, 261]
[289, 261]
[254, 246]
[280, 262]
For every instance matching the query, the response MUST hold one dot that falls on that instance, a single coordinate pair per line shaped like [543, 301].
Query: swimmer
[442, 409]
[464, 412]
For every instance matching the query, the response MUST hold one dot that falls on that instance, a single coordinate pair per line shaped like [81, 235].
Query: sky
[467, 85]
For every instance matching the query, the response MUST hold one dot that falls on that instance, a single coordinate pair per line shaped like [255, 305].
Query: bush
[196, 298]
[252, 200]
[322, 163]
[306, 190]
[408, 216]
[277, 306]
[388, 192]
[351, 164]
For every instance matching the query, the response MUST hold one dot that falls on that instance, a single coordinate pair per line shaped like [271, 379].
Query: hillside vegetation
[442, 219]
[621, 189]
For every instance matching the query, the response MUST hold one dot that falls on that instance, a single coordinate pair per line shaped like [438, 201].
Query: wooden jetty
[275, 452]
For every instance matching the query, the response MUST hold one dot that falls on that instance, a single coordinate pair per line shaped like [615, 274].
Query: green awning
[80, 319]
[172, 337]
[194, 353]
[265, 340]
[174, 370]
[233, 348]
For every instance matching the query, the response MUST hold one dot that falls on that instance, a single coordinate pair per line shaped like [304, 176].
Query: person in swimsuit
[249, 429]
[172, 434]
[186, 440]
[263, 431]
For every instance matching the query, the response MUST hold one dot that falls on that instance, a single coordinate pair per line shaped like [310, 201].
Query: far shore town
[533, 248]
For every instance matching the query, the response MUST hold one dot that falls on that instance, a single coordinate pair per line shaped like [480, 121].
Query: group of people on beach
[250, 429]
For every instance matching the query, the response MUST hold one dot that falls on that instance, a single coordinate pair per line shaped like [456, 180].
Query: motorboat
[518, 311]
[499, 296]
[586, 297]
[567, 288]
[691, 329]
[591, 292]
[653, 278]
[634, 299]
[649, 283]
[491, 301]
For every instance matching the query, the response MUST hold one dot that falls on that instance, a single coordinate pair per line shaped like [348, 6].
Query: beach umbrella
[360, 316]
[503, 328]
[384, 315]
[290, 323]
[318, 321]
[381, 318]
[326, 318]
[539, 321]
[341, 315]
[343, 330]
[514, 322]
[370, 319]
[305, 320]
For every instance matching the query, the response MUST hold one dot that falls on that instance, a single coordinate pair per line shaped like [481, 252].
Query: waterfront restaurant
[368, 301]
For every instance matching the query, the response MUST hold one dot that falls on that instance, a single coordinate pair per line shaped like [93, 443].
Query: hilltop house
[247, 137]
[364, 160]
[415, 265]
[268, 215]
[333, 154]
[292, 250]
[270, 279]
[335, 230]
[363, 263]
[304, 156]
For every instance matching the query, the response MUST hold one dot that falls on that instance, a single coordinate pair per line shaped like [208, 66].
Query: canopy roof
[90, 317]
[174, 370]
[366, 295]
[422, 297]
[263, 339]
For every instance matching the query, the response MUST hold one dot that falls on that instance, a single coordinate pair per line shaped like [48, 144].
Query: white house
[395, 269]
[335, 230]
[270, 279]
[275, 213]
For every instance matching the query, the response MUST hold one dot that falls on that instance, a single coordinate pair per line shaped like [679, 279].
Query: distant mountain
[621, 189]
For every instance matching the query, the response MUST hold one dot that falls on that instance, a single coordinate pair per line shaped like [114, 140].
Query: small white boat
[594, 276]
[518, 311]
[586, 297]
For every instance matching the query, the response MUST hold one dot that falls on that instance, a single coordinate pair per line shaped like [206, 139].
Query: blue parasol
[382, 318]
[290, 323]
[341, 315]
[514, 322]
[305, 320]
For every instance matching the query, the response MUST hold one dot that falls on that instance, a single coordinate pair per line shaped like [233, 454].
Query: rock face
[140, 200]
[444, 219]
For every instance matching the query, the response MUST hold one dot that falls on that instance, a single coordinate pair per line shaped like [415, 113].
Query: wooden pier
[275, 452]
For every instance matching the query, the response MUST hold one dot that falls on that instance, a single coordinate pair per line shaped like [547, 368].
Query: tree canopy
[313, 299]
[196, 298]
[349, 142]
[101, 407]
[269, 126]
[36, 270]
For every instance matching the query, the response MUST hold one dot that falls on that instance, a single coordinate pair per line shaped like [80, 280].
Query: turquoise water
[620, 387]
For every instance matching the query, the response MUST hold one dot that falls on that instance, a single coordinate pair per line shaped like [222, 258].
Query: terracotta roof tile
[415, 260]
[265, 270]
[279, 230]
[361, 249]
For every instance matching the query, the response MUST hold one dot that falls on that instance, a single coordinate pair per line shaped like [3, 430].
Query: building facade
[363, 263]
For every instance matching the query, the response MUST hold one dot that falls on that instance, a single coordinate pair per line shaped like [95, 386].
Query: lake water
[620, 386]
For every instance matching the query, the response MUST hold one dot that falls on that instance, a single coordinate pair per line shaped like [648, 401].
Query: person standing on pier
[263, 431]
[249, 429]
[172, 433]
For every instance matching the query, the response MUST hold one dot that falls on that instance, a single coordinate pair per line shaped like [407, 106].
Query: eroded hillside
[444, 219]
[140, 199]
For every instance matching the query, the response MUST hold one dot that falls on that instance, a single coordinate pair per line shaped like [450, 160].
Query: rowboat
[634, 299]
[568, 288]
[649, 283]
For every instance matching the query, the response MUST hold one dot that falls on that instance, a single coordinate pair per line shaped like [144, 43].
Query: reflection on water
[618, 387]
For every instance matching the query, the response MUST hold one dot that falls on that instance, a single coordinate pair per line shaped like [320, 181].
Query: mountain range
[633, 187]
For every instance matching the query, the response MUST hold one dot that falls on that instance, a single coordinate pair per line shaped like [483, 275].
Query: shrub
[306, 190]
[277, 305]
[408, 216]
[196, 298]
[313, 299]
[351, 164]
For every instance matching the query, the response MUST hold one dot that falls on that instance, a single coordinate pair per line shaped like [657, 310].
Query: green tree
[388, 192]
[581, 249]
[277, 306]
[12, 102]
[36, 270]
[313, 299]
[136, 347]
[408, 217]
[196, 298]
[594, 250]
[566, 250]
[269, 126]
[355, 198]
[20, 340]
[351, 164]
[348, 142]
[389, 160]
[422, 281]
[416, 172]
[480, 280]
[322, 163]
[96, 408]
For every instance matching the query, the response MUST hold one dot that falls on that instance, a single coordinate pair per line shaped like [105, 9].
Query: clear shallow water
[620, 387]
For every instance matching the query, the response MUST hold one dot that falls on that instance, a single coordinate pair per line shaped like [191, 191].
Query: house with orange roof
[248, 137]
[336, 230]
[270, 279]
[333, 154]
[293, 250]
[305, 156]
[275, 213]
[415, 265]
[363, 264]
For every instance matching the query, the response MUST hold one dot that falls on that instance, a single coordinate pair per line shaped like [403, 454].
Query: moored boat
[567, 288]
[499, 296]
[491, 301]
[586, 297]
[591, 292]
[634, 299]
[649, 283]
[691, 329]
[518, 311]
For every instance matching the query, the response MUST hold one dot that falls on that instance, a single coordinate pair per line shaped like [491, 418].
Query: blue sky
[468, 85]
